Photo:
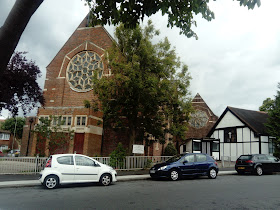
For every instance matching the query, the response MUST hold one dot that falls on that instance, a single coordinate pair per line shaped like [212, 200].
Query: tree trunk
[132, 136]
[13, 28]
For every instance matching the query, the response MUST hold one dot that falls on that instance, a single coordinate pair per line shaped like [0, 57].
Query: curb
[31, 183]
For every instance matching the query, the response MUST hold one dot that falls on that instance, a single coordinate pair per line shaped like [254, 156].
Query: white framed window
[81, 120]
[4, 136]
[43, 118]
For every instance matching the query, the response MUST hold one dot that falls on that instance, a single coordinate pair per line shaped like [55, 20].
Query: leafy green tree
[52, 131]
[170, 150]
[15, 126]
[180, 14]
[146, 86]
[273, 124]
[267, 105]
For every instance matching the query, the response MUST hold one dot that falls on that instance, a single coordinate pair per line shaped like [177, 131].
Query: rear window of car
[245, 157]
[65, 160]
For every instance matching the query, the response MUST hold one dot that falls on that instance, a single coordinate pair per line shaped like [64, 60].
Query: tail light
[248, 161]
[216, 163]
[49, 163]
[236, 161]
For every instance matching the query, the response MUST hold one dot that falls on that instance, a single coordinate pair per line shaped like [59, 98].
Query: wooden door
[79, 143]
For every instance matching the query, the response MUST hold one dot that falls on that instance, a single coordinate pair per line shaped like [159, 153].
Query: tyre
[51, 182]
[212, 173]
[105, 179]
[259, 171]
[174, 175]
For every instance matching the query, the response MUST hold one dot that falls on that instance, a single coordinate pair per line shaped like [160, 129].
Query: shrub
[117, 156]
[170, 150]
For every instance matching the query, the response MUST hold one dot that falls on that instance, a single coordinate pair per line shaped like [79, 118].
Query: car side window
[83, 161]
[65, 160]
[189, 158]
[201, 158]
[272, 158]
[262, 157]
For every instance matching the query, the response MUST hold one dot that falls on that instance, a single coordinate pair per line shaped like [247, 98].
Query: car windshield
[174, 159]
[245, 157]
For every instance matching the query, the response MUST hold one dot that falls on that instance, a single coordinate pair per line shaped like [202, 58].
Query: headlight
[162, 168]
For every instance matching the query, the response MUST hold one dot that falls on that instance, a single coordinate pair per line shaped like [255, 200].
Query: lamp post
[30, 121]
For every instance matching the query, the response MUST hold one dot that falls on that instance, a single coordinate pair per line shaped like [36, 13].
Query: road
[225, 192]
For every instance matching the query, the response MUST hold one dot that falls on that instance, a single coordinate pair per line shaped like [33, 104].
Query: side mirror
[185, 161]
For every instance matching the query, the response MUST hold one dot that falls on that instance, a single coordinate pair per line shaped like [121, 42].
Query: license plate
[241, 167]
[152, 171]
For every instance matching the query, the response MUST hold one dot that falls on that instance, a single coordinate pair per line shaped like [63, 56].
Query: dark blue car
[191, 164]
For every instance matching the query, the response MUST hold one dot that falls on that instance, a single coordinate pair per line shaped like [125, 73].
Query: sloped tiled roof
[255, 120]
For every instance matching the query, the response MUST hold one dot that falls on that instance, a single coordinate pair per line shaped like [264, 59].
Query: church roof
[198, 101]
[255, 120]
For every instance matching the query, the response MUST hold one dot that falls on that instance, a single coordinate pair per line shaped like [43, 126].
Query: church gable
[68, 80]
[201, 120]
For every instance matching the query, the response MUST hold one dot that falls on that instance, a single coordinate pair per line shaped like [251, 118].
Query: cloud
[233, 63]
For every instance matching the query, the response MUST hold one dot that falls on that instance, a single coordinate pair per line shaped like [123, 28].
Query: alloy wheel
[106, 179]
[259, 171]
[212, 173]
[174, 175]
[51, 182]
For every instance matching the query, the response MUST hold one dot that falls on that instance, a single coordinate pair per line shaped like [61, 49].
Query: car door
[201, 163]
[274, 162]
[65, 165]
[187, 165]
[266, 164]
[86, 170]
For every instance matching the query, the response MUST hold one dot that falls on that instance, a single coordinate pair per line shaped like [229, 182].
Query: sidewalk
[19, 180]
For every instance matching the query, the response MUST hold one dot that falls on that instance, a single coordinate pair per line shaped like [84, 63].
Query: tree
[180, 14]
[145, 87]
[170, 150]
[13, 28]
[19, 88]
[50, 131]
[267, 105]
[273, 123]
[15, 126]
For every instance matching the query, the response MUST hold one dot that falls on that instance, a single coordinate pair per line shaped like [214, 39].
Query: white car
[75, 168]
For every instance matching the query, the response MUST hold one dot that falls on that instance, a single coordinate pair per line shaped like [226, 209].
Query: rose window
[198, 119]
[81, 69]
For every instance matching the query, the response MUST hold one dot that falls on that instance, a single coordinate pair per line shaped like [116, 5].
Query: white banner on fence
[138, 149]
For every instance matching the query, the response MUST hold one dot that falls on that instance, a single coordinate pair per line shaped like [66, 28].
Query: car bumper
[244, 168]
[159, 174]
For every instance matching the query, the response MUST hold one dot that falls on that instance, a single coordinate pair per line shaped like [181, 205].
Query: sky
[235, 61]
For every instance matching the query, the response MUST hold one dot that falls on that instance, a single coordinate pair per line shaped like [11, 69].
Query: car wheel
[259, 171]
[105, 179]
[51, 182]
[212, 174]
[174, 175]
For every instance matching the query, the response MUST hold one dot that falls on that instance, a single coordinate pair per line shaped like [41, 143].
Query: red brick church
[67, 85]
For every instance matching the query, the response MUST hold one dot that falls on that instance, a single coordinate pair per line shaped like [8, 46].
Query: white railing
[31, 165]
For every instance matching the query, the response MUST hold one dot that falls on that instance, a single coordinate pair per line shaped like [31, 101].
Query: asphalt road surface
[225, 192]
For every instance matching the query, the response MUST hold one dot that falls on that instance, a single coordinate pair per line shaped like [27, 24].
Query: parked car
[257, 163]
[14, 153]
[75, 168]
[186, 165]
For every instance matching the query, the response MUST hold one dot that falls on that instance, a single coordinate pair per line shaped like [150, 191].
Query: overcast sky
[235, 62]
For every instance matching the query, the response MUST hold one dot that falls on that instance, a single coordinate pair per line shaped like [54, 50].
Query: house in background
[4, 140]
[241, 132]
[201, 122]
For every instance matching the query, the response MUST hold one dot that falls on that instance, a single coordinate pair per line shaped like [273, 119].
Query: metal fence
[33, 165]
